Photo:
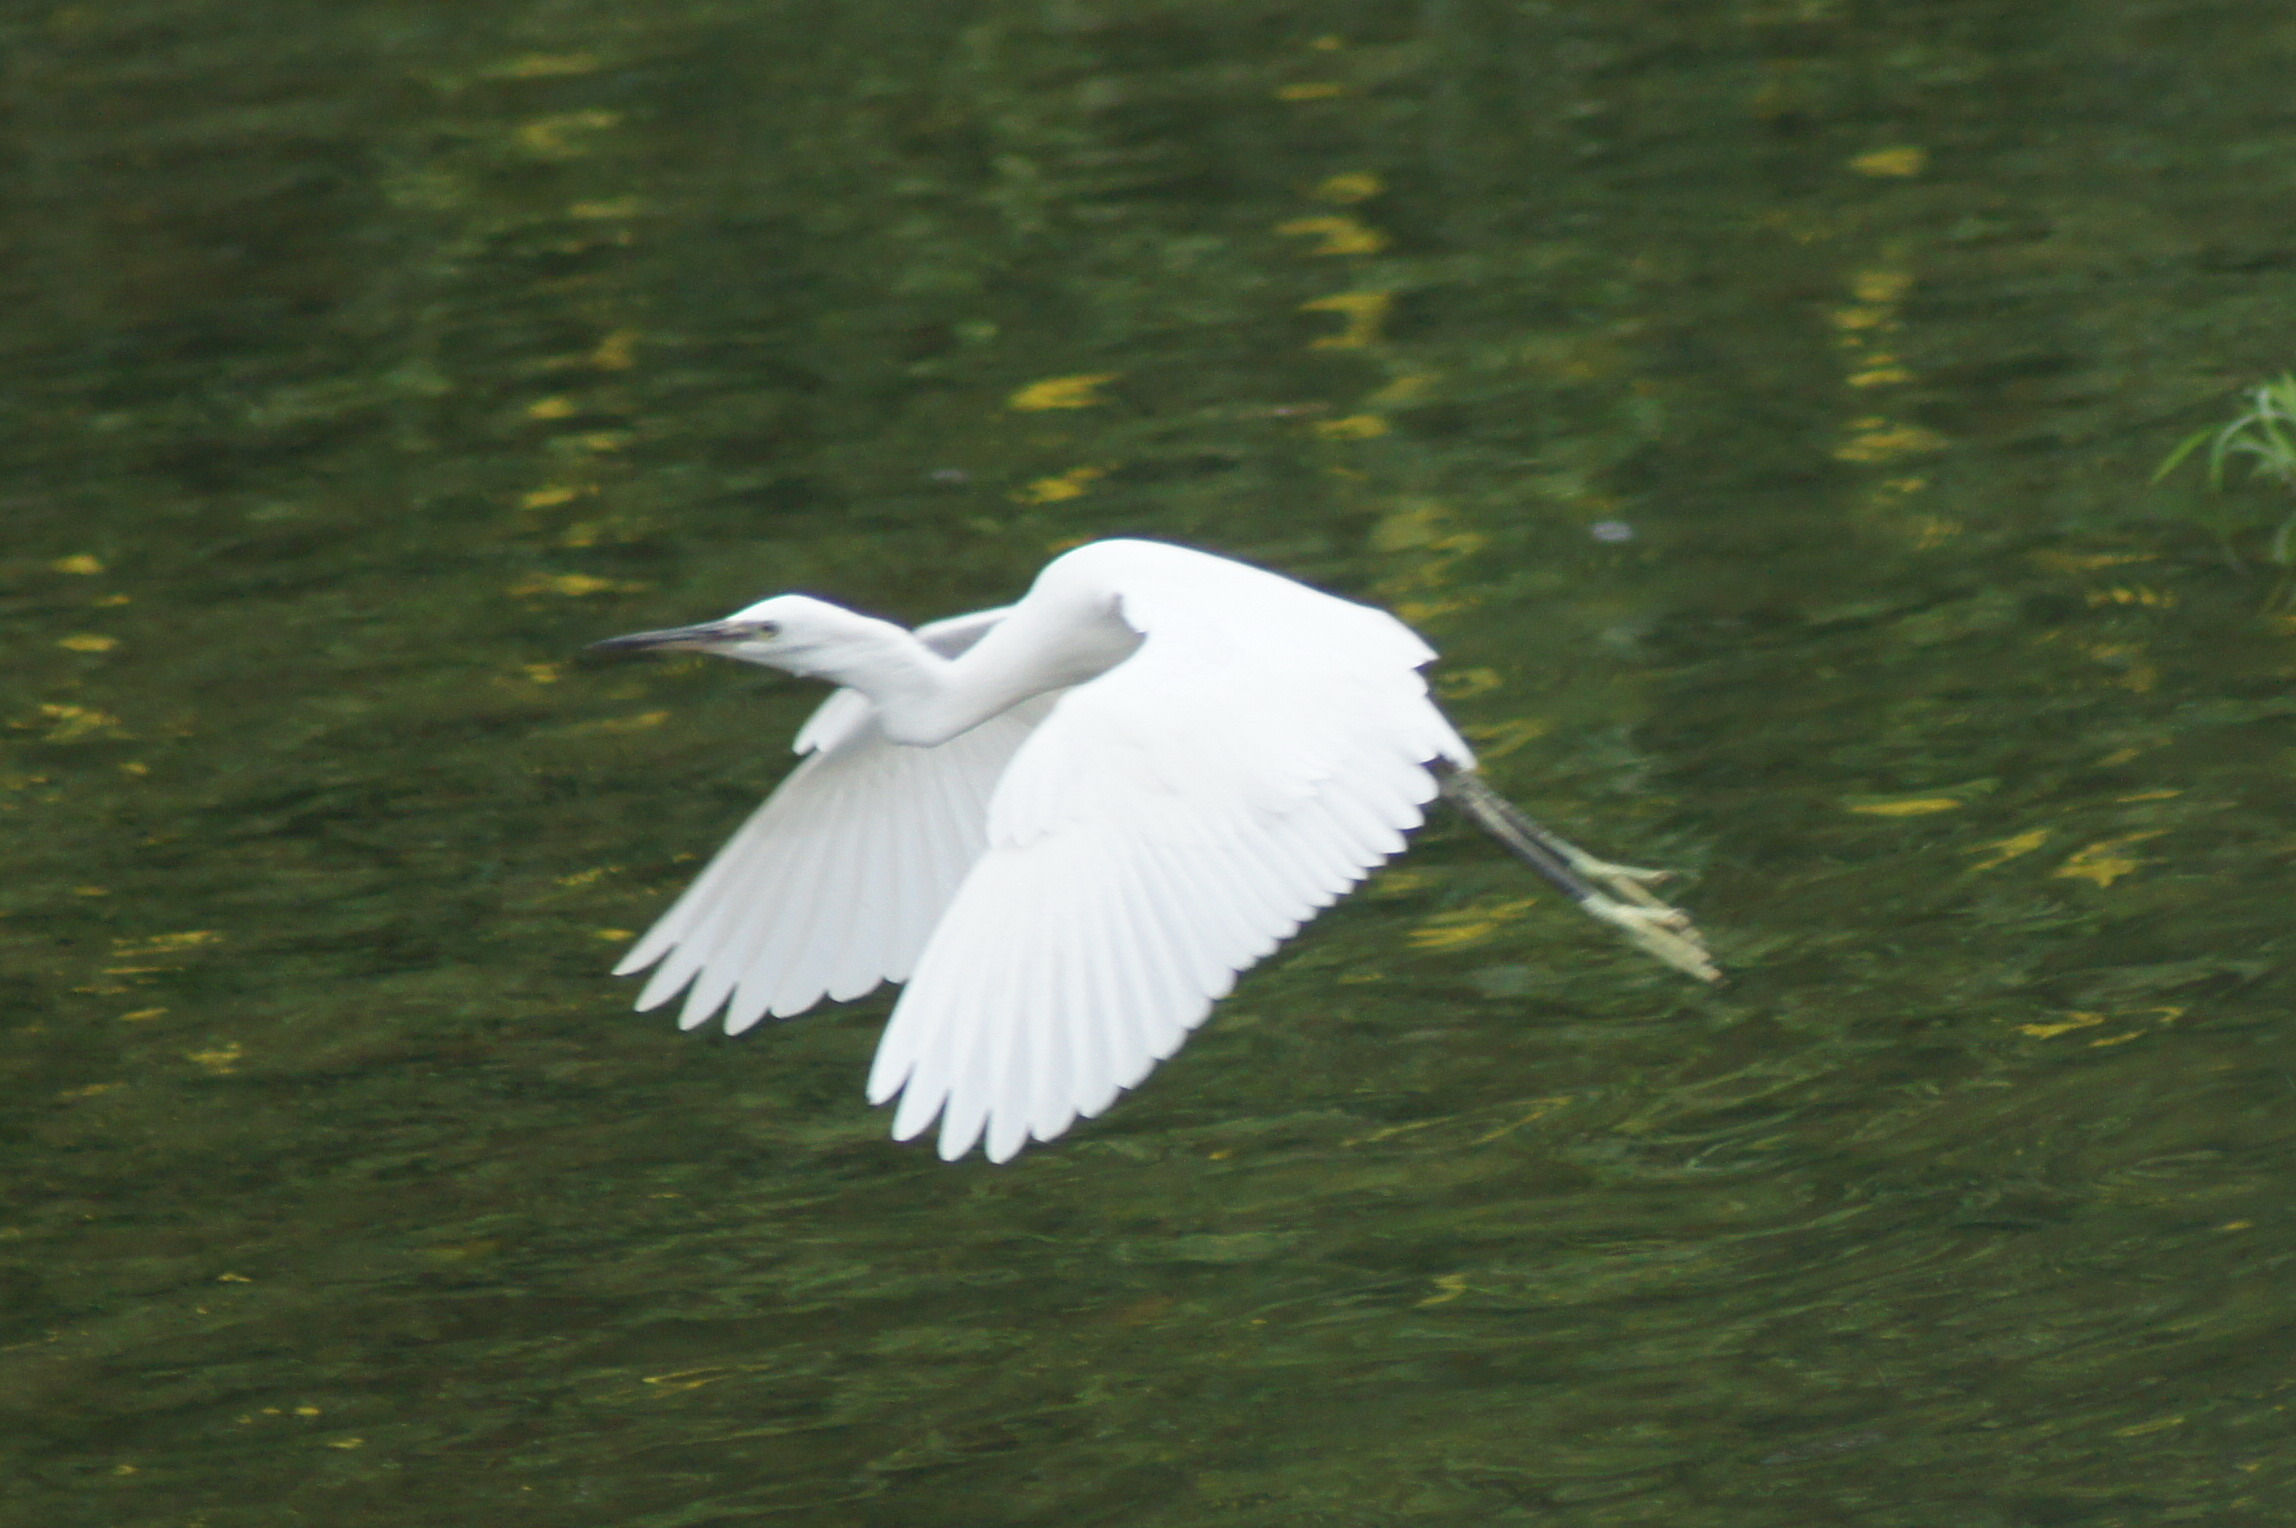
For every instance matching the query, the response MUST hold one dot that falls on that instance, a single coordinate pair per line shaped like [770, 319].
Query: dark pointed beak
[689, 638]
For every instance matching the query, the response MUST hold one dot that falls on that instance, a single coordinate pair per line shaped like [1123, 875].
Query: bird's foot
[1660, 930]
[1619, 895]
[1631, 884]
[1603, 870]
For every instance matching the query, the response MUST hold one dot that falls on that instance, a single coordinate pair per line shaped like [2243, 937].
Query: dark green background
[365, 359]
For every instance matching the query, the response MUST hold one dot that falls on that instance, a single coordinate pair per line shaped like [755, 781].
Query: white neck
[900, 675]
[924, 699]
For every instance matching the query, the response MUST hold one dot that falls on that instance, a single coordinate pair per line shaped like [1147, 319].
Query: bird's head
[790, 632]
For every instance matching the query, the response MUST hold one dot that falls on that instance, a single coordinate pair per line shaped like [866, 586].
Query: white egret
[1069, 824]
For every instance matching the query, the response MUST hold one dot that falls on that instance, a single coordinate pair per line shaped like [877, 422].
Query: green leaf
[2185, 448]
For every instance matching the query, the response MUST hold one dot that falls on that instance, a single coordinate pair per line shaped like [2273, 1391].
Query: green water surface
[364, 360]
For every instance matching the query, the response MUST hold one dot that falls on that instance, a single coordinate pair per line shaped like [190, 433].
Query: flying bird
[1069, 824]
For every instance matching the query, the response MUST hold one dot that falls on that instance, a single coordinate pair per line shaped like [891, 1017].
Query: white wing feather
[1160, 831]
[834, 885]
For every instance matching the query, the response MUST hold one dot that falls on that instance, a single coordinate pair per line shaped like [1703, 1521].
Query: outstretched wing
[835, 883]
[1159, 832]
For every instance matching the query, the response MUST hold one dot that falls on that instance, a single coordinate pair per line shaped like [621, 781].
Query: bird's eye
[764, 629]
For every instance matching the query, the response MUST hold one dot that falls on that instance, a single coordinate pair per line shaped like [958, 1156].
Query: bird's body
[1067, 825]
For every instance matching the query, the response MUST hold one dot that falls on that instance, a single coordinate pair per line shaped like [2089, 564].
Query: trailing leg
[1619, 895]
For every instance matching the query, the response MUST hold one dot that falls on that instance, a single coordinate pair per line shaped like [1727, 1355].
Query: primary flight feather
[1069, 824]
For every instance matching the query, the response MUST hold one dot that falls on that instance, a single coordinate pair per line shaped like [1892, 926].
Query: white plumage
[1067, 825]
